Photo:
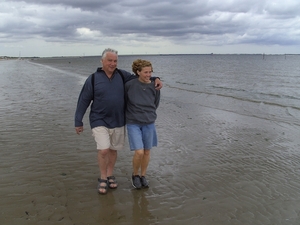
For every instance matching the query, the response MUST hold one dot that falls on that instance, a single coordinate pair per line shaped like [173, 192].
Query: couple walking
[114, 93]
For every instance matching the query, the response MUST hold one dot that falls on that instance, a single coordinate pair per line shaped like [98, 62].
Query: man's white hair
[109, 50]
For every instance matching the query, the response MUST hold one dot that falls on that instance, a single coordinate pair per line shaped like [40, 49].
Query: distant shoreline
[14, 58]
[37, 57]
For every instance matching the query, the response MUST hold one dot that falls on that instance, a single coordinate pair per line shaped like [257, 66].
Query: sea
[227, 154]
[258, 85]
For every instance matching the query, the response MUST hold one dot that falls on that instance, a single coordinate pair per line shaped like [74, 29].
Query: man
[105, 89]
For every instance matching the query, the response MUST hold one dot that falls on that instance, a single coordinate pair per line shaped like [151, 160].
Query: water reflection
[108, 210]
[140, 212]
[114, 208]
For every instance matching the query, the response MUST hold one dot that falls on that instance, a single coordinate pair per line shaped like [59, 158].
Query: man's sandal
[101, 187]
[112, 180]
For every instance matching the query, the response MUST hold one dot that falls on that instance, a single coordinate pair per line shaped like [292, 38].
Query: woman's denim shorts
[141, 136]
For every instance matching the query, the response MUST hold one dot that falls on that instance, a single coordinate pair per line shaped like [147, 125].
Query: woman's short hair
[139, 64]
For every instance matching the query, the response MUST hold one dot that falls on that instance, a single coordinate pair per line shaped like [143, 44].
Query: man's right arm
[84, 100]
[79, 130]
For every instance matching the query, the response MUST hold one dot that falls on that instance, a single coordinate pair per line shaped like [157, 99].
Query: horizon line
[145, 54]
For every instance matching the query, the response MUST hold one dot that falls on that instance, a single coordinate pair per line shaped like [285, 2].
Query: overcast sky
[86, 27]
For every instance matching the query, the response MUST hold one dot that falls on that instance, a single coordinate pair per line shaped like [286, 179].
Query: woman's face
[145, 74]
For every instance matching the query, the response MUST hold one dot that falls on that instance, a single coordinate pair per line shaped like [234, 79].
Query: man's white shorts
[109, 138]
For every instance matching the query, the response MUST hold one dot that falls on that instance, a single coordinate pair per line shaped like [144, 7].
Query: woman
[142, 102]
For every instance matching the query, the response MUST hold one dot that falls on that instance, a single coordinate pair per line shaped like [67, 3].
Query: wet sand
[212, 167]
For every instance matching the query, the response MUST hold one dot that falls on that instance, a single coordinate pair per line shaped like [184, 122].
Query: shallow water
[220, 160]
[263, 85]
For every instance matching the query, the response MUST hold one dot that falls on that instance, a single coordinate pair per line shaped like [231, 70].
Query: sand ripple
[211, 167]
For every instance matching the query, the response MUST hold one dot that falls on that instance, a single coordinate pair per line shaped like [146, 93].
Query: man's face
[109, 63]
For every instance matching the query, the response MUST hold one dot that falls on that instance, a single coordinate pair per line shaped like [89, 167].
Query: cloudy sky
[86, 27]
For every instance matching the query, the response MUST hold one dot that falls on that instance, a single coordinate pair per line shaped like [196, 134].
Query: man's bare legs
[112, 158]
[106, 161]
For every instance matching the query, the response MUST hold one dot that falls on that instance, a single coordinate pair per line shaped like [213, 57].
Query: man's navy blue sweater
[107, 97]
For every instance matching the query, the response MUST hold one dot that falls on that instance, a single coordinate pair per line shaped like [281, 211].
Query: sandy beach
[212, 167]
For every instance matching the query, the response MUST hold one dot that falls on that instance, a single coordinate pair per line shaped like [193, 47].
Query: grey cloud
[178, 21]
[90, 5]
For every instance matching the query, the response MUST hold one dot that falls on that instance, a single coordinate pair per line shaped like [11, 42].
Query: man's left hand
[158, 84]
